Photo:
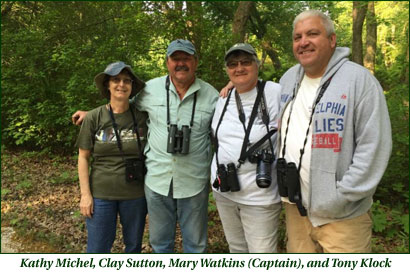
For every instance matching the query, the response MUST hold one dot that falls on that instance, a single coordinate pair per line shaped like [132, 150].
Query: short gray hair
[327, 22]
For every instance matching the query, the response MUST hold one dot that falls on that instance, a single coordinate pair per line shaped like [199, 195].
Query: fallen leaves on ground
[40, 198]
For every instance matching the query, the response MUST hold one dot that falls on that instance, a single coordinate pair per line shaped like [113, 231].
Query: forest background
[51, 51]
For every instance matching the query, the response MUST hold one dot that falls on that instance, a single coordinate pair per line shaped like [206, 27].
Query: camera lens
[263, 176]
[263, 169]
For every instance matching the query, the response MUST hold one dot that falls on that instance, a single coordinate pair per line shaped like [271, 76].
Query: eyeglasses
[234, 64]
[117, 80]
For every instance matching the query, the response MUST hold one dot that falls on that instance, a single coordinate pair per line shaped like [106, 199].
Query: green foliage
[392, 224]
[379, 217]
[25, 185]
[48, 65]
[51, 51]
[20, 222]
[5, 191]
[65, 177]
[211, 203]
[393, 190]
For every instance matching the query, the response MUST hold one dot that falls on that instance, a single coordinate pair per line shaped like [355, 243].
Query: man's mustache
[179, 68]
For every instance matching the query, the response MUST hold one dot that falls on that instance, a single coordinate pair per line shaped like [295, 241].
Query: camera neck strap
[219, 123]
[191, 124]
[260, 100]
[320, 95]
[265, 119]
[135, 130]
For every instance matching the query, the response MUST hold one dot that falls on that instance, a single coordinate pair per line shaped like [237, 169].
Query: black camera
[135, 170]
[288, 180]
[263, 159]
[226, 178]
[178, 140]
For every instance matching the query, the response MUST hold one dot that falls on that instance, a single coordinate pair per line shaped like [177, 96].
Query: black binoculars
[178, 140]
[264, 161]
[288, 180]
[226, 178]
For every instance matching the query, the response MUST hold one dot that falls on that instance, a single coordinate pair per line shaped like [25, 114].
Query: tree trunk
[371, 38]
[267, 46]
[359, 13]
[258, 27]
[194, 23]
[241, 16]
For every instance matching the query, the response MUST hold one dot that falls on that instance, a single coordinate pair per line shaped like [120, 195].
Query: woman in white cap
[243, 175]
[114, 135]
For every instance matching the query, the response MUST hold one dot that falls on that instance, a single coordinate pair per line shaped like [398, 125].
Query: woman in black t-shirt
[114, 135]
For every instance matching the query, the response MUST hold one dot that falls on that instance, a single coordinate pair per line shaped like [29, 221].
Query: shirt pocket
[158, 113]
[203, 118]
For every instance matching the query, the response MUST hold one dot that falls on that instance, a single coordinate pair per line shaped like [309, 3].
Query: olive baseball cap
[241, 46]
[181, 45]
[115, 69]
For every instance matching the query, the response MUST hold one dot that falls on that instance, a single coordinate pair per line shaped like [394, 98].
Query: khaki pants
[249, 228]
[345, 236]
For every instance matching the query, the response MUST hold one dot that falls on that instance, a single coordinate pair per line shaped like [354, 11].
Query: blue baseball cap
[115, 69]
[181, 45]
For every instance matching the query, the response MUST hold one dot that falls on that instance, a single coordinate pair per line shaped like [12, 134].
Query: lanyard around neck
[262, 102]
[217, 127]
[320, 95]
[135, 130]
[167, 83]
[241, 112]
[260, 99]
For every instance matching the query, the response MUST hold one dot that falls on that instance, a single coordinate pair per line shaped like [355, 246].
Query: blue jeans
[191, 213]
[102, 225]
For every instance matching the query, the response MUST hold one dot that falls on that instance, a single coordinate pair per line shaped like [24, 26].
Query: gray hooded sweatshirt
[351, 139]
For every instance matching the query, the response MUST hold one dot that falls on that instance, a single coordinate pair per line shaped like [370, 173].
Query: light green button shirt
[189, 172]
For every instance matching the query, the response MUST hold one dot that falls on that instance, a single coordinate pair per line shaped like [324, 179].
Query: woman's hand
[87, 205]
[225, 90]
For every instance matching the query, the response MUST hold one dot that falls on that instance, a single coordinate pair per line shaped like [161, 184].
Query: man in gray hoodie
[335, 136]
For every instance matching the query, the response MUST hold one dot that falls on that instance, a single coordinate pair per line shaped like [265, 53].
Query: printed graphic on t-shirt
[108, 135]
[327, 128]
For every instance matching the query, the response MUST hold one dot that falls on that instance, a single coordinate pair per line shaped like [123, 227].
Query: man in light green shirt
[176, 185]
[188, 173]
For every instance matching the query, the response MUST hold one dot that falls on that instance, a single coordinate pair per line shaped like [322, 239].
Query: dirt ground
[8, 244]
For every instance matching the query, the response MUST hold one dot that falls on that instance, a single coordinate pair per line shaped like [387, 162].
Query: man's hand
[78, 117]
[224, 91]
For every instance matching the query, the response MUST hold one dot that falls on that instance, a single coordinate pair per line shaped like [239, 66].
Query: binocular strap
[301, 209]
[167, 83]
[135, 129]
